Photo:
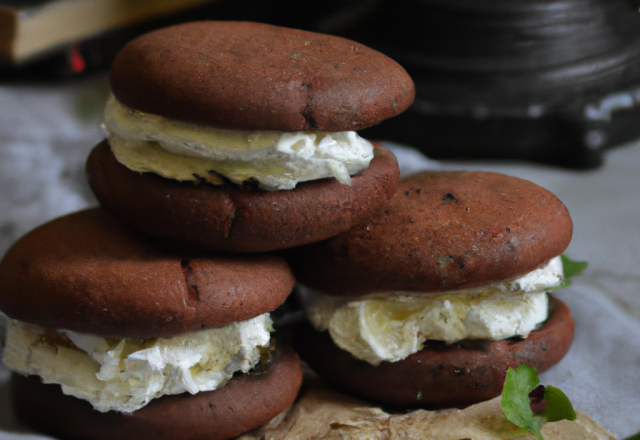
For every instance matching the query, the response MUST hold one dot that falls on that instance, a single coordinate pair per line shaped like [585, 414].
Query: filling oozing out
[394, 325]
[276, 160]
[125, 374]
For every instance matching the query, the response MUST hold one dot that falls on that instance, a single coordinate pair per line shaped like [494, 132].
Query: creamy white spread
[125, 374]
[392, 326]
[276, 160]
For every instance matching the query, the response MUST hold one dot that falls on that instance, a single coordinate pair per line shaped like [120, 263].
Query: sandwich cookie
[258, 118]
[118, 322]
[430, 302]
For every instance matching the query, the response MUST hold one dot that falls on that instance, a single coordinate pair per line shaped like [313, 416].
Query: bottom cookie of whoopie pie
[228, 218]
[441, 375]
[245, 403]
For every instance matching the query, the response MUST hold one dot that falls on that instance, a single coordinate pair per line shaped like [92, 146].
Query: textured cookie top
[88, 273]
[442, 231]
[254, 76]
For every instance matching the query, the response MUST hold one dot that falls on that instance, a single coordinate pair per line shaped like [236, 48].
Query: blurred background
[547, 90]
[546, 81]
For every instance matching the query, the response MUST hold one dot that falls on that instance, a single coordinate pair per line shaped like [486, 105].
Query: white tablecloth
[46, 133]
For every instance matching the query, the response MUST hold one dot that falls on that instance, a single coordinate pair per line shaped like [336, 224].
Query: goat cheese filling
[125, 374]
[273, 160]
[392, 326]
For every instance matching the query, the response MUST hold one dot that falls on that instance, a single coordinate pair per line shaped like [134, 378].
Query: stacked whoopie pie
[101, 314]
[430, 302]
[265, 116]
[222, 137]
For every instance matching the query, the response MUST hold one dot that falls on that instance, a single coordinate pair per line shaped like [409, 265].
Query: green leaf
[515, 399]
[634, 437]
[558, 406]
[571, 268]
[516, 403]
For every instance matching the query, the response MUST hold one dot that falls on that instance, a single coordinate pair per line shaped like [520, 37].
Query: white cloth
[47, 131]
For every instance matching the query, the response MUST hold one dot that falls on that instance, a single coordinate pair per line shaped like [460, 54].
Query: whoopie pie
[430, 302]
[240, 137]
[123, 339]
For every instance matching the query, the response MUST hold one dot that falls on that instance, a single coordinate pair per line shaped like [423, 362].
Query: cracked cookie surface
[87, 272]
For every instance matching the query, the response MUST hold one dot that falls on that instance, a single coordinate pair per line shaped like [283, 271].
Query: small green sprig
[522, 395]
[572, 268]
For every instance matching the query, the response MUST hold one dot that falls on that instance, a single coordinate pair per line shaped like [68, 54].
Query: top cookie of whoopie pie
[259, 119]
[442, 231]
[118, 321]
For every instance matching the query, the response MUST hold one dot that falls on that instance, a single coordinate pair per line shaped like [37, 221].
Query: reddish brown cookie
[231, 219]
[259, 77]
[245, 403]
[442, 231]
[440, 375]
[89, 273]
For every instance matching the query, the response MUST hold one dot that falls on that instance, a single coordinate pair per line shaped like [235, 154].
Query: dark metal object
[548, 81]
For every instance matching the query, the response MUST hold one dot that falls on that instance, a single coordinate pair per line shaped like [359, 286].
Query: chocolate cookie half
[87, 272]
[251, 109]
[431, 301]
[112, 319]
[254, 76]
[229, 218]
[442, 231]
[245, 403]
[440, 375]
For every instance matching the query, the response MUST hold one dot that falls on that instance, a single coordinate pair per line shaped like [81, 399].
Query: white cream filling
[277, 160]
[124, 375]
[392, 326]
